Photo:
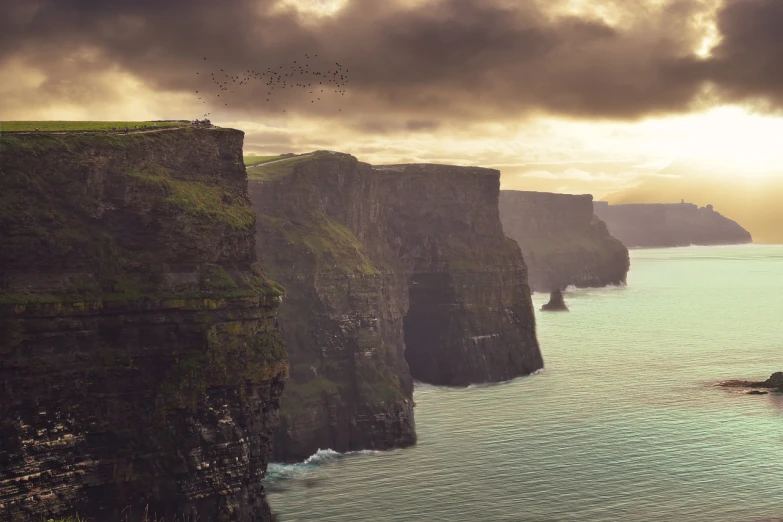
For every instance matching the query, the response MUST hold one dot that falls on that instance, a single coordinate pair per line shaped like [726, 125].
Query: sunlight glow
[732, 140]
[313, 7]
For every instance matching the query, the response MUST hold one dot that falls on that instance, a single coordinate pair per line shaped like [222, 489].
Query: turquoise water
[622, 424]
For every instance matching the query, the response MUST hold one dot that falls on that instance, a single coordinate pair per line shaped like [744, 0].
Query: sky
[622, 99]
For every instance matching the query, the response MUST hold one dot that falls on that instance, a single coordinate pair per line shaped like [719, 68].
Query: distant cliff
[140, 361]
[391, 273]
[562, 241]
[669, 225]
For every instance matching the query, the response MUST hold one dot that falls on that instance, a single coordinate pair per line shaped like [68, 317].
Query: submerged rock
[774, 383]
[556, 303]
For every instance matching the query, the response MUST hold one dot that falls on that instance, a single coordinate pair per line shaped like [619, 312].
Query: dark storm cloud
[748, 62]
[410, 66]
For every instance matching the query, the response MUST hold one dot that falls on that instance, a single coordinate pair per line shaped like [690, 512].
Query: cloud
[451, 81]
[578, 174]
[412, 64]
[745, 65]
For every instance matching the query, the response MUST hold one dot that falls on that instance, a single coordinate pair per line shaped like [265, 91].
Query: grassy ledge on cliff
[257, 160]
[140, 358]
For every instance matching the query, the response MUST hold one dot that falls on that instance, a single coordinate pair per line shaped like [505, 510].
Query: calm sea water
[622, 424]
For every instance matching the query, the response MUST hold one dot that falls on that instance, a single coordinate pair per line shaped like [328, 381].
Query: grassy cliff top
[82, 126]
[276, 168]
[437, 168]
[257, 160]
[109, 217]
[281, 166]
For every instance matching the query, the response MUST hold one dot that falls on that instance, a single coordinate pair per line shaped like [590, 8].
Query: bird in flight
[294, 78]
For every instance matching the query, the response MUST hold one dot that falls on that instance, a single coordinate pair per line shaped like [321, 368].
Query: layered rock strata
[140, 361]
[392, 273]
[562, 241]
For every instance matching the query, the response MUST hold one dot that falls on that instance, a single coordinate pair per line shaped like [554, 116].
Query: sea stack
[556, 303]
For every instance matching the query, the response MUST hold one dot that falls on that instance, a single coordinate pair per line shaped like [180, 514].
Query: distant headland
[652, 225]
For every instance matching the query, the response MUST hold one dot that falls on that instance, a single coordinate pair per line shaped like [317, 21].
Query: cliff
[140, 362]
[670, 225]
[391, 273]
[562, 241]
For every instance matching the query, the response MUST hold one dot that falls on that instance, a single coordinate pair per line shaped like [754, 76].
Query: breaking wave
[277, 471]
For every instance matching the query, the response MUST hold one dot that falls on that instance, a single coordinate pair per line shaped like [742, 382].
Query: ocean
[624, 422]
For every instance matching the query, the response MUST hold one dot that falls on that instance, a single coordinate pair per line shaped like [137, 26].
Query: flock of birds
[298, 75]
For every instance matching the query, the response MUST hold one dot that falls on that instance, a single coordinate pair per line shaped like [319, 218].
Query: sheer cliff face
[390, 273]
[140, 362]
[342, 315]
[562, 241]
[470, 318]
[669, 225]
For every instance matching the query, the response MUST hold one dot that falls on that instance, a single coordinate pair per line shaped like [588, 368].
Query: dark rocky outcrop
[556, 303]
[562, 241]
[140, 361]
[669, 225]
[391, 273]
[774, 383]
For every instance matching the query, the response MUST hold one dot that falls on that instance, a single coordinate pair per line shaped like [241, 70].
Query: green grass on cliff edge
[81, 126]
[275, 169]
[215, 284]
[256, 160]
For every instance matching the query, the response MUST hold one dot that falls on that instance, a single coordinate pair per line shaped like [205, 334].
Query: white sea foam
[322, 455]
[280, 471]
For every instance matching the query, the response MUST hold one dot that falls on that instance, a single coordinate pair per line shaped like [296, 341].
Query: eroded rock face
[562, 241]
[391, 273]
[670, 225]
[470, 317]
[140, 361]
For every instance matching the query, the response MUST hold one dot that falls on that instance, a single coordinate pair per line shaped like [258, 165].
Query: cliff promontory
[652, 225]
[562, 241]
[392, 273]
[140, 361]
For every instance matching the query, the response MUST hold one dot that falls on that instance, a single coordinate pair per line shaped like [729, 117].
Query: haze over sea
[622, 424]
